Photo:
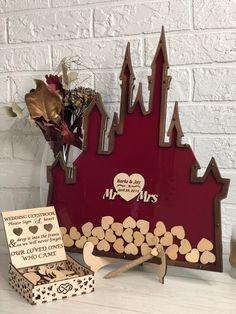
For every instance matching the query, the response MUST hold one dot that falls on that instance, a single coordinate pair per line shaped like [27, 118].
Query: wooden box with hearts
[40, 270]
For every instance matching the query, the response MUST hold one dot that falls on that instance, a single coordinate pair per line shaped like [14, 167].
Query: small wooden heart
[74, 233]
[93, 240]
[18, 231]
[48, 227]
[33, 229]
[129, 222]
[119, 245]
[204, 245]
[68, 242]
[167, 240]
[178, 231]
[109, 236]
[106, 222]
[145, 249]
[128, 235]
[98, 232]
[131, 249]
[63, 230]
[103, 245]
[138, 238]
[160, 229]
[172, 252]
[185, 247]
[143, 226]
[87, 229]
[207, 257]
[151, 239]
[81, 242]
[32, 277]
[128, 187]
[193, 256]
[117, 227]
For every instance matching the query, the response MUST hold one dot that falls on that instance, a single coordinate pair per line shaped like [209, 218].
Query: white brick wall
[201, 36]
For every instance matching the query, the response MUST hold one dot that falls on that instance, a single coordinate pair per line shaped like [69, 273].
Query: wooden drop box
[80, 283]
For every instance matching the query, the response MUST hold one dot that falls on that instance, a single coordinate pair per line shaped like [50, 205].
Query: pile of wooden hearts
[134, 237]
[43, 275]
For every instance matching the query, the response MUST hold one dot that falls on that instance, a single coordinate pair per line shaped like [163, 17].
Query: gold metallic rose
[43, 103]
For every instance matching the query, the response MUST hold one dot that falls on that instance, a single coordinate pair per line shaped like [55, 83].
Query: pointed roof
[96, 102]
[127, 63]
[138, 101]
[213, 170]
[161, 47]
[175, 124]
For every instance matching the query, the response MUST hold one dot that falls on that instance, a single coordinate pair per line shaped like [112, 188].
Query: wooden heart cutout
[138, 238]
[117, 227]
[128, 186]
[119, 245]
[33, 229]
[74, 233]
[204, 245]
[178, 231]
[172, 252]
[110, 236]
[207, 257]
[68, 242]
[143, 226]
[185, 247]
[131, 249]
[17, 231]
[193, 256]
[48, 227]
[103, 245]
[106, 222]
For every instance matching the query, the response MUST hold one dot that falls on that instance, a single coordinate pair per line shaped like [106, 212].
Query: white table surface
[136, 291]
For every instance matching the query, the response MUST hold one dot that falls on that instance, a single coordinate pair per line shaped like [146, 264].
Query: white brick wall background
[36, 34]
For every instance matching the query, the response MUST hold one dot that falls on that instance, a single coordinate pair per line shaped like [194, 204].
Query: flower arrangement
[57, 105]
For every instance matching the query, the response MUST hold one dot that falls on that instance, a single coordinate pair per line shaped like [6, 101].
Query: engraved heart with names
[128, 187]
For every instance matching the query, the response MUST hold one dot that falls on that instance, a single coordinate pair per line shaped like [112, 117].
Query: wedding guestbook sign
[34, 237]
[131, 190]
[40, 270]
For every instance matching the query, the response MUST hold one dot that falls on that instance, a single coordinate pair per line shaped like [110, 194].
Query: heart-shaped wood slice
[193, 256]
[103, 245]
[129, 222]
[185, 247]
[68, 242]
[87, 229]
[109, 236]
[151, 239]
[119, 245]
[143, 226]
[81, 242]
[74, 233]
[167, 240]
[128, 187]
[131, 249]
[106, 222]
[128, 235]
[172, 252]
[178, 231]
[207, 257]
[138, 238]
[117, 227]
[204, 245]
[145, 249]
[160, 229]
[98, 232]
